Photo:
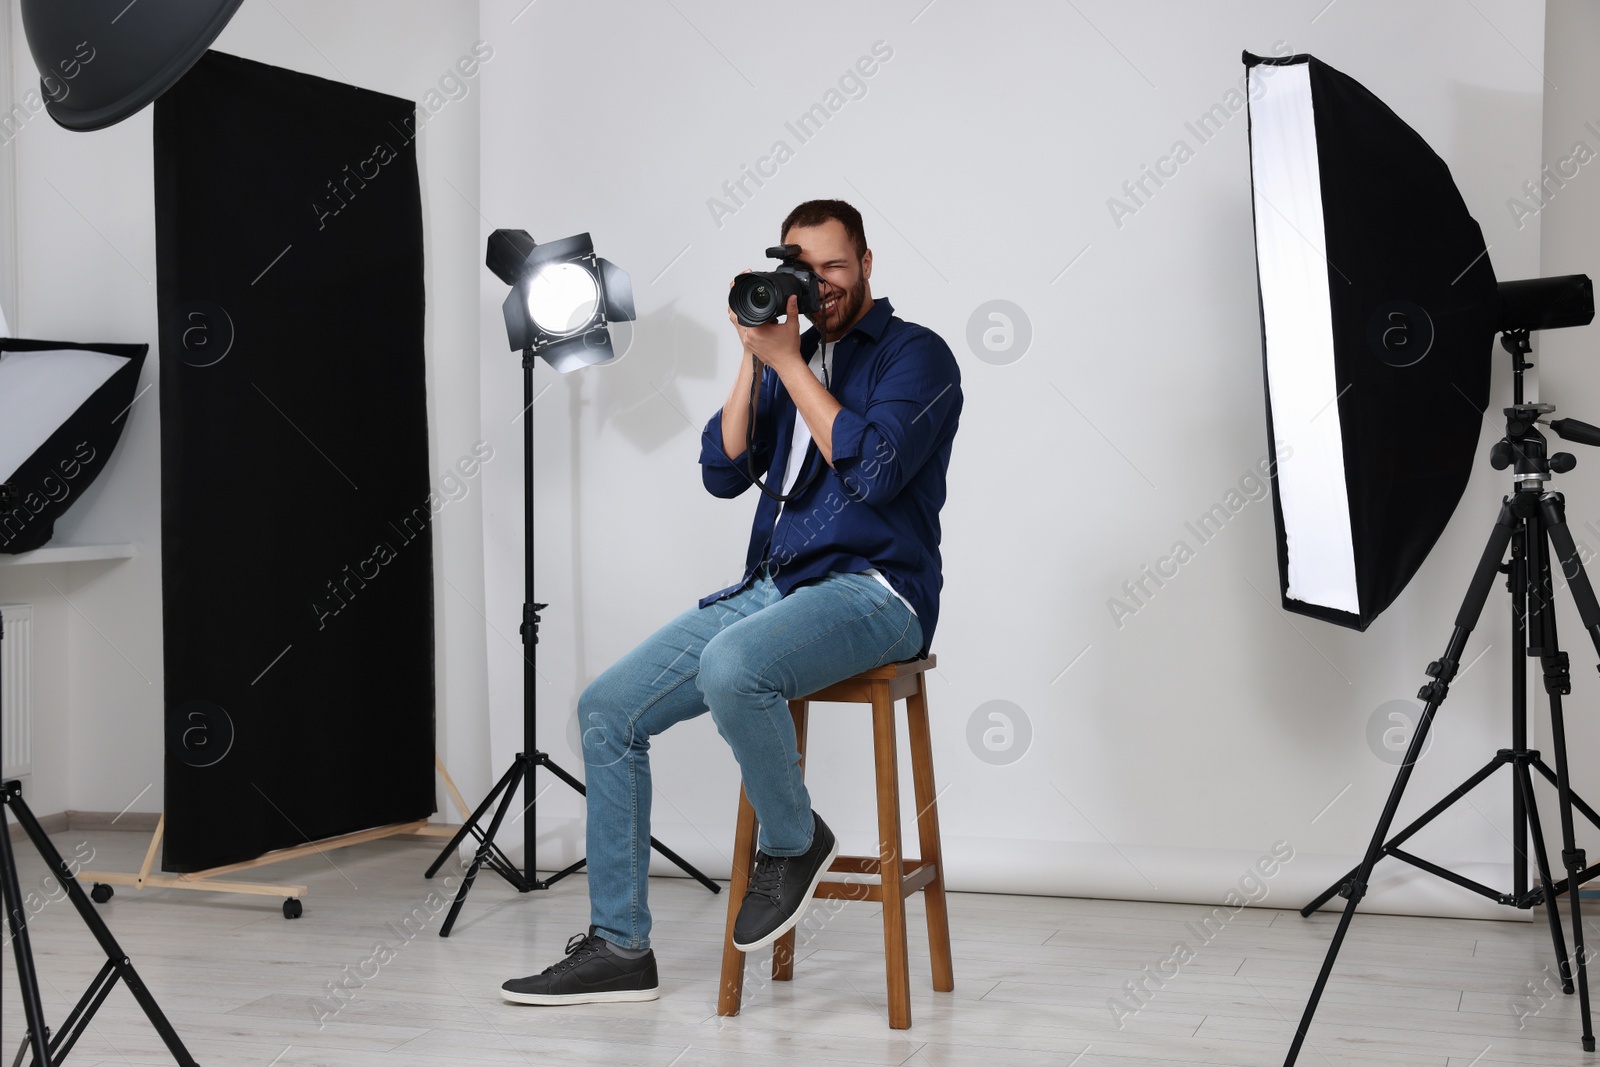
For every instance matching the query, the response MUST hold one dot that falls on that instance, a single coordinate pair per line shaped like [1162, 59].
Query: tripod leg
[684, 865]
[1442, 671]
[508, 781]
[1542, 858]
[1572, 857]
[1417, 824]
[97, 926]
[1517, 585]
[544, 760]
[1578, 803]
[1558, 683]
[1555, 522]
[17, 923]
[523, 769]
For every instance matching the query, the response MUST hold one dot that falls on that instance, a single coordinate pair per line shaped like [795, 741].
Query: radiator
[16, 690]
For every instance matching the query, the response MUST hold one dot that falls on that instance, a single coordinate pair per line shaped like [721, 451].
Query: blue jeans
[741, 659]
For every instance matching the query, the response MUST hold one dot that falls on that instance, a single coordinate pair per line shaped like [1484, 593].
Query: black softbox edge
[1378, 587]
[98, 423]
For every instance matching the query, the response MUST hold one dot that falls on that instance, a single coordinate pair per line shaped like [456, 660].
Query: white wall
[1177, 747]
[87, 243]
[8, 200]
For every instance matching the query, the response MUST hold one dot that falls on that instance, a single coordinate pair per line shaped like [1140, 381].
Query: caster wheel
[100, 893]
[291, 908]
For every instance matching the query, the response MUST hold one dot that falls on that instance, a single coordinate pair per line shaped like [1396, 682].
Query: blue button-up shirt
[878, 505]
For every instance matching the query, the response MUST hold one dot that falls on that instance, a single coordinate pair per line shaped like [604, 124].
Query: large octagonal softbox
[1378, 315]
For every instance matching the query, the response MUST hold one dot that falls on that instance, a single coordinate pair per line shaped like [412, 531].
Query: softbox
[62, 409]
[1378, 315]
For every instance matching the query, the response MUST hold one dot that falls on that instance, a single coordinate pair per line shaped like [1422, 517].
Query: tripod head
[1524, 446]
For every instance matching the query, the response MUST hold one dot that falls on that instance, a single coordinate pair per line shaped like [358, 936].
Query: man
[841, 577]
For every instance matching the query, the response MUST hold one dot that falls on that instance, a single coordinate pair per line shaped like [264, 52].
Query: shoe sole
[805, 902]
[621, 996]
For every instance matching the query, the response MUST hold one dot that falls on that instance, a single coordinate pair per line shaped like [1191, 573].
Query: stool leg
[928, 836]
[896, 963]
[783, 948]
[744, 858]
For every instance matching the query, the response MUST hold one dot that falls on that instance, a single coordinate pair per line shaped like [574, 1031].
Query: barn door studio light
[563, 297]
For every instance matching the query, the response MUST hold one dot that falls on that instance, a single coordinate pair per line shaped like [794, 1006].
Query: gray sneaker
[590, 974]
[781, 888]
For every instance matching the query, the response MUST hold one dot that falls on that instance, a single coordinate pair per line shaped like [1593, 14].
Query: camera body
[760, 297]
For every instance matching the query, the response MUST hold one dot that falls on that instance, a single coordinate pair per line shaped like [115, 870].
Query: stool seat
[887, 877]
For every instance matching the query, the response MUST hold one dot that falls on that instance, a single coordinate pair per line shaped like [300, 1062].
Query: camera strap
[750, 431]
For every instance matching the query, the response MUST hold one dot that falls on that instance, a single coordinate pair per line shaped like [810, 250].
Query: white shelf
[70, 554]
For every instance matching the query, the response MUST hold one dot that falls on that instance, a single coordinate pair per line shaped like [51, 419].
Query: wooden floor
[1034, 980]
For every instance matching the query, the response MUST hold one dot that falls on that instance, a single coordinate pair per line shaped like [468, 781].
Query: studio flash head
[759, 297]
[1546, 303]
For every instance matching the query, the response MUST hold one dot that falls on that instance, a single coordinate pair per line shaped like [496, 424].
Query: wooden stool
[892, 878]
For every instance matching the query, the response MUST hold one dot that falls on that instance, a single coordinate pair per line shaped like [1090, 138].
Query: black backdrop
[296, 519]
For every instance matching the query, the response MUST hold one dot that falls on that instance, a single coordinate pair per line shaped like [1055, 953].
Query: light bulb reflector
[562, 298]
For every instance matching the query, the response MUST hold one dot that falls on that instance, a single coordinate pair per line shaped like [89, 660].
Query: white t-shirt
[801, 443]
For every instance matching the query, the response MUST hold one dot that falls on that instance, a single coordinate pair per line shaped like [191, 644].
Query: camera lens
[758, 298]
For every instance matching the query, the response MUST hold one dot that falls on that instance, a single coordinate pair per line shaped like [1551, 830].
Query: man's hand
[777, 344]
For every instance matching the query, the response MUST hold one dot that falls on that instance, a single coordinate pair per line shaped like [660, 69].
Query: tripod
[1533, 523]
[530, 758]
[51, 1049]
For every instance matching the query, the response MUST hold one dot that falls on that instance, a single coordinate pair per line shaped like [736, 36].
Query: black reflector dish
[101, 60]
[1378, 315]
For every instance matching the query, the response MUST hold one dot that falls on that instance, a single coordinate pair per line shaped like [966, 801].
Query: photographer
[853, 421]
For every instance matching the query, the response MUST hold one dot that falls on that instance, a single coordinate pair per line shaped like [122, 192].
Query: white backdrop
[1152, 755]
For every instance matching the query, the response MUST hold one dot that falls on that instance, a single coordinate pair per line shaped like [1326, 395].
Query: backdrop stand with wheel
[210, 880]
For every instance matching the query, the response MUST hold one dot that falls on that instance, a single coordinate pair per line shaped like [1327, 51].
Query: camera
[761, 296]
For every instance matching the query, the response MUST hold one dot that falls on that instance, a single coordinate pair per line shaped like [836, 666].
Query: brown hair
[816, 212]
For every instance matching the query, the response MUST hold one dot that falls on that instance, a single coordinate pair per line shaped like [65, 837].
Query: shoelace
[768, 879]
[579, 948]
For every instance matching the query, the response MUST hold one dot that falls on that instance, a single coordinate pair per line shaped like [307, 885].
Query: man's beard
[849, 306]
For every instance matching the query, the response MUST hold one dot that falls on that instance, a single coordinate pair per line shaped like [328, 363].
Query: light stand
[1533, 523]
[48, 1048]
[510, 253]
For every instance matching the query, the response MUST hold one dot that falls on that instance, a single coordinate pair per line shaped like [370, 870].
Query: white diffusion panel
[39, 391]
[1297, 320]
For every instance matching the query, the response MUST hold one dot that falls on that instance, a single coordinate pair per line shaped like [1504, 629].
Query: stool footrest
[865, 881]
